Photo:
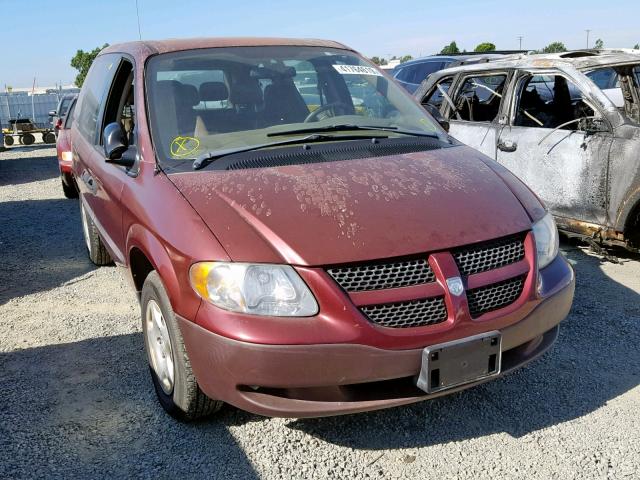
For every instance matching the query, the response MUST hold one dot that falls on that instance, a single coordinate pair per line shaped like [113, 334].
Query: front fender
[171, 265]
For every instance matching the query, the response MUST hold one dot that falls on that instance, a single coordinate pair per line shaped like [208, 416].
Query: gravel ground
[77, 400]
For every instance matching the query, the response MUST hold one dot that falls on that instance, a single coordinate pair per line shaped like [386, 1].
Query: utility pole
[588, 32]
[520, 37]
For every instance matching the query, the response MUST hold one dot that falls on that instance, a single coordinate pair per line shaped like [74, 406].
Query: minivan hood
[354, 210]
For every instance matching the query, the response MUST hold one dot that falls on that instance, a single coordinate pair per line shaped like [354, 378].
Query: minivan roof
[150, 47]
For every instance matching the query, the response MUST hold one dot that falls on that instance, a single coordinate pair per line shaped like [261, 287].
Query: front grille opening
[492, 297]
[414, 313]
[403, 273]
[490, 255]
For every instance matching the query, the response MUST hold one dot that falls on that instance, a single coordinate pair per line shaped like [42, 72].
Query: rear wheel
[69, 191]
[169, 364]
[28, 139]
[97, 252]
[49, 137]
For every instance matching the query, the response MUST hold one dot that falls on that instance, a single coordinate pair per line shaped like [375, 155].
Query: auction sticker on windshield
[356, 70]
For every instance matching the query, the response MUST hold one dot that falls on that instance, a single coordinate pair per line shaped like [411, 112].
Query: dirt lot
[77, 401]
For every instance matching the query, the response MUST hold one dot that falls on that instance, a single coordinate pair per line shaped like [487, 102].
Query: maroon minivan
[305, 239]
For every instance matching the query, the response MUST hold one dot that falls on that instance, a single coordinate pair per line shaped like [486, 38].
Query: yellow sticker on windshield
[183, 146]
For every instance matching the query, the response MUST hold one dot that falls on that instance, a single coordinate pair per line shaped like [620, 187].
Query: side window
[605, 78]
[479, 97]
[306, 82]
[423, 70]
[436, 96]
[99, 76]
[404, 74]
[366, 97]
[120, 105]
[68, 119]
[550, 101]
[64, 106]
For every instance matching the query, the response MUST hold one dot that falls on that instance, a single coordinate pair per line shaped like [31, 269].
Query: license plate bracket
[467, 360]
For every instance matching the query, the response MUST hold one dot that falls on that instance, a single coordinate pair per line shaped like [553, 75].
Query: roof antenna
[138, 15]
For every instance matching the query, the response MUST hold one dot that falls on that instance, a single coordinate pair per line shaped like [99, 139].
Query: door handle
[88, 181]
[507, 146]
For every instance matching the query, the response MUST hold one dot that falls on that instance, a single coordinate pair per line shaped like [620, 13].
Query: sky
[40, 38]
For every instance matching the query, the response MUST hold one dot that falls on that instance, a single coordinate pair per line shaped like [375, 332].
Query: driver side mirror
[590, 125]
[437, 116]
[116, 146]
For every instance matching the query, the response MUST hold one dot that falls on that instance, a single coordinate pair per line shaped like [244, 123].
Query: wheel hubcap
[159, 346]
[85, 227]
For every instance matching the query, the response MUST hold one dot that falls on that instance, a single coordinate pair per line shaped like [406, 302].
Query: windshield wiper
[350, 127]
[206, 158]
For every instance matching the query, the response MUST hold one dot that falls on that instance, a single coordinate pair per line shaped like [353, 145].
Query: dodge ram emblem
[455, 286]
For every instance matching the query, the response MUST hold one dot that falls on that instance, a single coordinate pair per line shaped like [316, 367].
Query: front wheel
[169, 364]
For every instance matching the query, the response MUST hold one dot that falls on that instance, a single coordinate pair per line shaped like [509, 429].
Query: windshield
[215, 99]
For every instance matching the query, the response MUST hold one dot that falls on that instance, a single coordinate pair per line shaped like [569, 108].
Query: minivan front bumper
[332, 379]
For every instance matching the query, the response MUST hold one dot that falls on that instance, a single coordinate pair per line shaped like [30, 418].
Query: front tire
[169, 364]
[97, 252]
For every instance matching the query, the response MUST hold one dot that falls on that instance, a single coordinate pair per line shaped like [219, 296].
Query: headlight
[545, 233]
[258, 289]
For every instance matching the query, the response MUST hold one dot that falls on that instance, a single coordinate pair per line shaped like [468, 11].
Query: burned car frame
[568, 125]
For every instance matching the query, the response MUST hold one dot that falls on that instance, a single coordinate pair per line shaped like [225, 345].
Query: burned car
[568, 125]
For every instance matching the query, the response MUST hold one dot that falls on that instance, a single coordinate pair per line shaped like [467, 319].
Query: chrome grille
[414, 313]
[492, 297]
[378, 276]
[489, 255]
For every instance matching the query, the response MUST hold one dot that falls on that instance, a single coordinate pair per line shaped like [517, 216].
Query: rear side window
[550, 101]
[64, 106]
[423, 70]
[68, 119]
[478, 100]
[403, 74]
[605, 78]
[416, 73]
[93, 90]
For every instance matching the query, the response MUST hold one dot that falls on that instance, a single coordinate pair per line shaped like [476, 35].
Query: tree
[599, 45]
[82, 62]
[405, 58]
[637, 46]
[485, 47]
[450, 49]
[554, 47]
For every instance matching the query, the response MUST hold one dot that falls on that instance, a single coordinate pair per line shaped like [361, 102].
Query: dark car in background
[301, 255]
[57, 115]
[412, 73]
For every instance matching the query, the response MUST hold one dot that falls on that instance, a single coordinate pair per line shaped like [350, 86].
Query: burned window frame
[459, 80]
[445, 104]
[517, 81]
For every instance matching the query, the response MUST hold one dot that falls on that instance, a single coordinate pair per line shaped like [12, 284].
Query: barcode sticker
[356, 70]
